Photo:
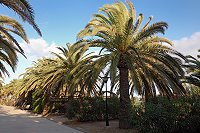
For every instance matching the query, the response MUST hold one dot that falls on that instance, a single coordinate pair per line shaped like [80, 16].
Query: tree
[192, 66]
[65, 74]
[69, 70]
[8, 92]
[136, 51]
[24, 10]
[9, 45]
[32, 86]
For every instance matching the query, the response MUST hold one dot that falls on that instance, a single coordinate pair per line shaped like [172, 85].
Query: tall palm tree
[133, 50]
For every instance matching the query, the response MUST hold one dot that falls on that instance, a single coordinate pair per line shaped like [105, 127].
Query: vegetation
[192, 66]
[164, 116]
[93, 109]
[134, 58]
[137, 52]
[8, 26]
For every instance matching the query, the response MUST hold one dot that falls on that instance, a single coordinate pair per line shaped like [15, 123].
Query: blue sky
[60, 21]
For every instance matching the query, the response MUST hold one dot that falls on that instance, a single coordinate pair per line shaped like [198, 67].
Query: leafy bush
[72, 108]
[113, 107]
[38, 105]
[38, 102]
[164, 116]
[93, 109]
[58, 108]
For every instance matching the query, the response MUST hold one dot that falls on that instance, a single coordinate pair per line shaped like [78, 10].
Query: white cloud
[188, 45]
[38, 48]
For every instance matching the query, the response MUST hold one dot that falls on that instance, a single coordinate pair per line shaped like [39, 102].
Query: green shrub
[93, 109]
[164, 116]
[72, 109]
[58, 108]
[113, 107]
[38, 102]
[88, 108]
[38, 105]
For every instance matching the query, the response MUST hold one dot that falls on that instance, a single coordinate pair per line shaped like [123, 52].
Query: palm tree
[1, 83]
[24, 10]
[68, 71]
[32, 84]
[8, 92]
[32, 78]
[133, 50]
[51, 77]
[9, 45]
[192, 66]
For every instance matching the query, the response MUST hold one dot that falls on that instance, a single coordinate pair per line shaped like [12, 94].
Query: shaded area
[14, 120]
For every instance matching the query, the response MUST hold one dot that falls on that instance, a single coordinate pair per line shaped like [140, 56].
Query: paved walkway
[18, 121]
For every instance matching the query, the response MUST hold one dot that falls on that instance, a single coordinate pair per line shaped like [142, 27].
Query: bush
[93, 109]
[88, 108]
[180, 115]
[38, 105]
[113, 107]
[38, 102]
[72, 108]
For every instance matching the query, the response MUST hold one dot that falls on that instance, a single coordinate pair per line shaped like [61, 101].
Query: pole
[107, 122]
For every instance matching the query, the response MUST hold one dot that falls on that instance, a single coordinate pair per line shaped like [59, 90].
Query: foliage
[56, 76]
[24, 10]
[8, 92]
[93, 109]
[9, 46]
[192, 67]
[73, 108]
[68, 76]
[195, 90]
[133, 54]
[38, 102]
[150, 63]
[113, 107]
[10, 27]
[167, 116]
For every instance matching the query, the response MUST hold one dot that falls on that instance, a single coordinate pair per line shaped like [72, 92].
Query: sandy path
[13, 120]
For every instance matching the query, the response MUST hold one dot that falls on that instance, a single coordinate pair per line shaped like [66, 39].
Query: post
[107, 122]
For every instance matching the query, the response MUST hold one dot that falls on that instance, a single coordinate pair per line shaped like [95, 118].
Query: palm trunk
[125, 104]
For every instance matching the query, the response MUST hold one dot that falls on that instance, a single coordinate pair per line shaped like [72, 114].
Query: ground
[13, 120]
[99, 127]
[91, 127]
[16, 120]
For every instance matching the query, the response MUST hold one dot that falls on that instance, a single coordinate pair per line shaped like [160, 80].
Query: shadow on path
[13, 120]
